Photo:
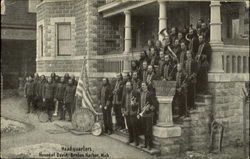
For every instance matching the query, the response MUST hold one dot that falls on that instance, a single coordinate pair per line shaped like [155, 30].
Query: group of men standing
[52, 94]
[133, 108]
[183, 56]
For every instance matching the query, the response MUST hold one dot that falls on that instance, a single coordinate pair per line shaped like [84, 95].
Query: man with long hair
[106, 105]
[130, 103]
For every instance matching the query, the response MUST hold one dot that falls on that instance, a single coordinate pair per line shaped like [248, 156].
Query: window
[41, 40]
[2, 7]
[64, 47]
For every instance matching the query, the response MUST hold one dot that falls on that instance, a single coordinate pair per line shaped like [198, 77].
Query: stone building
[111, 33]
[18, 40]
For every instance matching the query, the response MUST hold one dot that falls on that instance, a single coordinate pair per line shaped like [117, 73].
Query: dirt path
[15, 108]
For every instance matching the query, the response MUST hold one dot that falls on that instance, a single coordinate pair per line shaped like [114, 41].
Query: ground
[38, 137]
[35, 138]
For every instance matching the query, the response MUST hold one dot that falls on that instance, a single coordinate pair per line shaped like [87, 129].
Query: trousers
[68, 107]
[30, 101]
[107, 119]
[132, 128]
[118, 116]
[49, 103]
[148, 130]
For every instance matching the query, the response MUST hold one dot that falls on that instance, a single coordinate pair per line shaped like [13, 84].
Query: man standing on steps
[117, 99]
[146, 112]
[48, 97]
[203, 61]
[130, 103]
[190, 70]
[180, 94]
[144, 71]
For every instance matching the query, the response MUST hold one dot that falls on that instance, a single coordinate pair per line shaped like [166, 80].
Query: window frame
[57, 38]
[41, 40]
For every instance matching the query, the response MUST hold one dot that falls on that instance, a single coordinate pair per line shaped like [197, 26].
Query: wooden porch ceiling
[139, 8]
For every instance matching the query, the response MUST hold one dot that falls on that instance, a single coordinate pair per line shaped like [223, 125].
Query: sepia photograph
[125, 79]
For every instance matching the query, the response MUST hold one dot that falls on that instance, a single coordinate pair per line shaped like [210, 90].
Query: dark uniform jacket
[144, 74]
[206, 34]
[146, 98]
[150, 77]
[48, 91]
[193, 46]
[136, 84]
[177, 51]
[60, 90]
[204, 51]
[39, 90]
[180, 82]
[117, 92]
[128, 108]
[191, 70]
[154, 60]
[168, 71]
[182, 57]
[69, 94]
[173, 37]
[105, 96]
[161, 67]
[36, 86]
[29, 88]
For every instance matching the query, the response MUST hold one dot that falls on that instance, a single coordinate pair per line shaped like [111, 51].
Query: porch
[144, 19]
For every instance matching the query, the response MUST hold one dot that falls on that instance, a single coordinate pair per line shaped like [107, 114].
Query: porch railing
[114, 63]
[235, 59]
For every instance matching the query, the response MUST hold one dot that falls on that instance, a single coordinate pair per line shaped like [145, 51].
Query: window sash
[64, 46]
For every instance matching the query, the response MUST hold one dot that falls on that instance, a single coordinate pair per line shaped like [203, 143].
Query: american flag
[82, 89]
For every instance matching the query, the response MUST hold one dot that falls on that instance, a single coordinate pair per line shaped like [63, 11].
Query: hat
[163, 32]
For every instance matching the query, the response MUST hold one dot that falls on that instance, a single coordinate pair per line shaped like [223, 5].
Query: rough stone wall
[59, 66]
[109, 35]
[81, 27]
[65, 11]
[196, 128]
[16, 13]
[228, 109]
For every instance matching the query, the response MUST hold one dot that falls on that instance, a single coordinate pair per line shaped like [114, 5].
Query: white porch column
[127, 39]
[162, 17]
[215, 38]
[215, 24]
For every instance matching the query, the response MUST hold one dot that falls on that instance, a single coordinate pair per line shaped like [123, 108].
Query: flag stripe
[82, 89]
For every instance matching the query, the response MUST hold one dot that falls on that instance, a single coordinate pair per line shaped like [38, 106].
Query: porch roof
[119, 6]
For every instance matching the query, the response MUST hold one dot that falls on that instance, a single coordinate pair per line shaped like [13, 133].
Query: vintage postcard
[165, 79]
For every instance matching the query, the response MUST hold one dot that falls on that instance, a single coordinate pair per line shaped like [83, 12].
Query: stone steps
[154, 151]
[202, 98]
[141, 138]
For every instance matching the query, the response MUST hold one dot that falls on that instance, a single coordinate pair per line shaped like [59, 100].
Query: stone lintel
[166, 132]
